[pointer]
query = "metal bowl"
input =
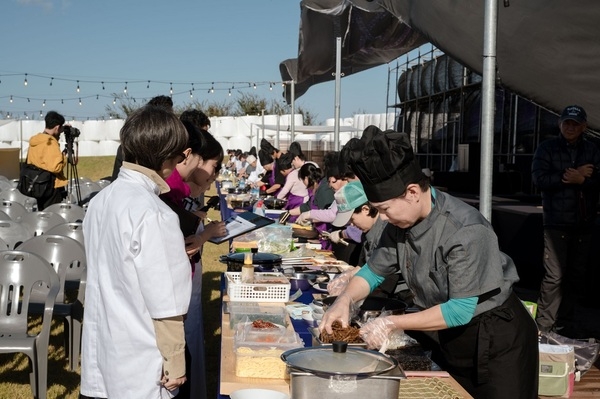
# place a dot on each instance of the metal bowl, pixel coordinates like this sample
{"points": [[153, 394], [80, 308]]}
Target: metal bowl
{"points": [[305, 280]]}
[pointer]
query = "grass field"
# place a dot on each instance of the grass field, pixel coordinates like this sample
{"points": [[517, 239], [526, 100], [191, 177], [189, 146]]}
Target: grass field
{"points": [[64, 384]]}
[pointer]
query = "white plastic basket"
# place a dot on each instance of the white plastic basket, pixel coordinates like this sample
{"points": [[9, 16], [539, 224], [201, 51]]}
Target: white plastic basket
{"points": [[257, 292]]}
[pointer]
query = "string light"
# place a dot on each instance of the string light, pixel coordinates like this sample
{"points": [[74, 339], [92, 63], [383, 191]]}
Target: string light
{"points": [[254, 86], [270, 86], [125, 89], [61, 101], [41, 114], [77, 86], [148, 85], [28, 100], [25, 82], [171, 88], [44, 103], [11, 99], [80, 101], [191, 95], [102, 85], [229, 92], [51, 80], [115, 101], [212, 87]]}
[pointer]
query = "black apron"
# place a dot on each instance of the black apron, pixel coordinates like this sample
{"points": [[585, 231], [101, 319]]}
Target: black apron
{"points": [[495, 356]]}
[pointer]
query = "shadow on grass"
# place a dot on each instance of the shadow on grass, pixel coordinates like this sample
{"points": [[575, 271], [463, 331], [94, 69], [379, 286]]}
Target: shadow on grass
{"points": [[15, 369]]}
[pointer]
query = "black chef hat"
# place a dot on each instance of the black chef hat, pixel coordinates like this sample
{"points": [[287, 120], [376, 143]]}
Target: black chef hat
{"points": [[264, 157], [268, 147], [384, 162]]}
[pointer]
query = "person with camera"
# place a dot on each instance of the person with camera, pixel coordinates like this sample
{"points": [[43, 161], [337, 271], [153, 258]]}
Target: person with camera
{"points": [[44, 154]]}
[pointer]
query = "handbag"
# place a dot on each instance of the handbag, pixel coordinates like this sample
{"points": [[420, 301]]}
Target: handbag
{"points": [[35, 182]]}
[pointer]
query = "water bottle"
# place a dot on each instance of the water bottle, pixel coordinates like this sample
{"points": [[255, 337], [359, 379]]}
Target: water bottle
{"points": [[254, 192], [242, 183]]}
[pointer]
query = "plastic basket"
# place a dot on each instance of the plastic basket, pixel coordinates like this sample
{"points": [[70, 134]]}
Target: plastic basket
{"points": [[257, 292]]}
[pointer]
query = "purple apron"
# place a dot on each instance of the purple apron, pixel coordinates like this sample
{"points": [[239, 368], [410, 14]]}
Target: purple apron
{"points": [[293, 201], [320, 226], [272, 178]]}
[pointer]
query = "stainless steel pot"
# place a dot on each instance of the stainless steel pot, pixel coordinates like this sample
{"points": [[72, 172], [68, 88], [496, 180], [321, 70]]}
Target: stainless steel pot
{"points": [[336, 371], [305, 280], [262, 261]]}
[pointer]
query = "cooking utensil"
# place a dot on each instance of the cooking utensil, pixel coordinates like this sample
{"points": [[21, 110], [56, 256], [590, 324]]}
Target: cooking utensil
{"points": [[326, 234], [284, 217], [306, 280], [275, 203], [262, 261], [339, 371]]}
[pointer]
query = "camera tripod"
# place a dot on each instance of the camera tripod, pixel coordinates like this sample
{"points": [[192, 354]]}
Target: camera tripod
{"points": [[72, 174]]}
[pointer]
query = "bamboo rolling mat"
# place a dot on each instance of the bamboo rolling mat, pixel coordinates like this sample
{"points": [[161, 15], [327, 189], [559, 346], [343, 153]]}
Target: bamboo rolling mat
{"points": [[428, 388]]}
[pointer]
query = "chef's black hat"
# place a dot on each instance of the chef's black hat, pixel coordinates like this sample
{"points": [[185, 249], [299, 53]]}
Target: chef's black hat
{"points": [[264, 157], [384, 162]]}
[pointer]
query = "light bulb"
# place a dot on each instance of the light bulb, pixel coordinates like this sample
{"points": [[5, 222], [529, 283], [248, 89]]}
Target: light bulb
{"points": [[77, 86], [230, 92], [191, 95], [270, 86], [171, 89], [125, 89], [44, 103], [115, 101], [25, 82], [80, 101], [254, 86], [11, 99]]}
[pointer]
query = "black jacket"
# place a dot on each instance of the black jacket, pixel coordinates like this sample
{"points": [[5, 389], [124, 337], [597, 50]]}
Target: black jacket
{"points": [[566, 205]]}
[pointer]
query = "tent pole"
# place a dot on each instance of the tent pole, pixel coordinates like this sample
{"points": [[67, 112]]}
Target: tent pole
{"points": [[488, 88], [338, 79], [292, 132]]}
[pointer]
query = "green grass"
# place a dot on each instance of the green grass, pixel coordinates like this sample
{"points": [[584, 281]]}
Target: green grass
{"points": [[63, 383]]}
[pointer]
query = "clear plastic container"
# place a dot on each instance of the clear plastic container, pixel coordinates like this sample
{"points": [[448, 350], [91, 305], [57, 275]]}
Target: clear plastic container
{"points": [[263, 359], [244, 312]]}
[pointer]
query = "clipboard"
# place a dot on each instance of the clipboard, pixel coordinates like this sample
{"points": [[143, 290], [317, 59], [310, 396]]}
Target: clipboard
{"points": [[241, 223]]}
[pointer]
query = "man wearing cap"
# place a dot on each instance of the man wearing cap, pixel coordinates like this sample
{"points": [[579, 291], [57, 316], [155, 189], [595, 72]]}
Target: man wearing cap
{"points": [[448, 253], [565, 170]]}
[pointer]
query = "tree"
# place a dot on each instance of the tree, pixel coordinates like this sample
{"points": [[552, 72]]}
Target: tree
{"points": [[125, 106], [249, 104]]}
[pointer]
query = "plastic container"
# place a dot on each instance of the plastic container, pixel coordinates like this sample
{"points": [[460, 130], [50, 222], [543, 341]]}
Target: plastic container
{"points": [[263, 359], [240, 312], [267, 287]]}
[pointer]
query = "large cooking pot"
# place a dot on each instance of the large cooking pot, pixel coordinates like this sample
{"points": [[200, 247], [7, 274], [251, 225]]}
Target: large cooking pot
{"points": [[373, 306], [338, 371], [274, 203], [262, 261]]}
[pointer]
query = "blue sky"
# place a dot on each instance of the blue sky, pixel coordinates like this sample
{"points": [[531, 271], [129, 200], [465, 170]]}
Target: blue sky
{"points": [[176, 41]]}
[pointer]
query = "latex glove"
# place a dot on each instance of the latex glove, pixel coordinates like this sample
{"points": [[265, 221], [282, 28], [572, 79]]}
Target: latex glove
{"points": [[336, 236], [340, 310], [339, 283], [376, 333], [303, 218]]}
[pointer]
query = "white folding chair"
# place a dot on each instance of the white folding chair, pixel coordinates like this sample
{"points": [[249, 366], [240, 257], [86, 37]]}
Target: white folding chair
{"points": [[71, 229], [12, 209], [20, 273], [67, 257], [13, 233], [13, 194], [69, 212], [40, 222]]}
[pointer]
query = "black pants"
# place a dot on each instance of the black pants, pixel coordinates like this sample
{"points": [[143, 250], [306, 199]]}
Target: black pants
{"points": [[495, 356]]}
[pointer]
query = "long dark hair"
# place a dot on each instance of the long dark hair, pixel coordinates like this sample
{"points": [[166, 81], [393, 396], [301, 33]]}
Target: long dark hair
{"points": [[312, 172]]}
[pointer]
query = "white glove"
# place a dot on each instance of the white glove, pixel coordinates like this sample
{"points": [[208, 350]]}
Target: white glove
{"points": [[338, 284], [335, 236], [376, 332], [303, 218]]}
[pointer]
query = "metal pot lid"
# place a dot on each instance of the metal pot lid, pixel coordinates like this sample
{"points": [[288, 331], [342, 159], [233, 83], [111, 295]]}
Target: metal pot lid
{"points": [[258, 258], [323, 360]]}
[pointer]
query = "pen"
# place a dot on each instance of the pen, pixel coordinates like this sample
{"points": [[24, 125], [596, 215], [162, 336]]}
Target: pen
{"points": [[209, 220]]}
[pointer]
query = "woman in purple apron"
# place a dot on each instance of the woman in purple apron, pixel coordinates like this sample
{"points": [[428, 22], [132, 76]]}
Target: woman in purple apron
{"points": [[294, 191]]}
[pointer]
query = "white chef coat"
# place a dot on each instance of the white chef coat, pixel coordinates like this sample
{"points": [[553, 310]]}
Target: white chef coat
{"points": [[137, 270]]}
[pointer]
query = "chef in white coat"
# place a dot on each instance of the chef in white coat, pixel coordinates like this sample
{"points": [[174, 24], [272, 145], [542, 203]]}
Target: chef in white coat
{"points": [[138, 273]]}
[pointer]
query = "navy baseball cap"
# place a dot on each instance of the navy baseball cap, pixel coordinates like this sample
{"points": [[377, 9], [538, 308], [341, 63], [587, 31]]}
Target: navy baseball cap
{"points": [[574, 112]]}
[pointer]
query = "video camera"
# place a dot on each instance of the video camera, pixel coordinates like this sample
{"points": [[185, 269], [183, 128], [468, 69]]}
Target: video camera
{"points": [[71, 133]]}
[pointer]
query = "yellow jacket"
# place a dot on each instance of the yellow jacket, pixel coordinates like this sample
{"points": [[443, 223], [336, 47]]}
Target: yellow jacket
{"points": [[44, 152]]}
